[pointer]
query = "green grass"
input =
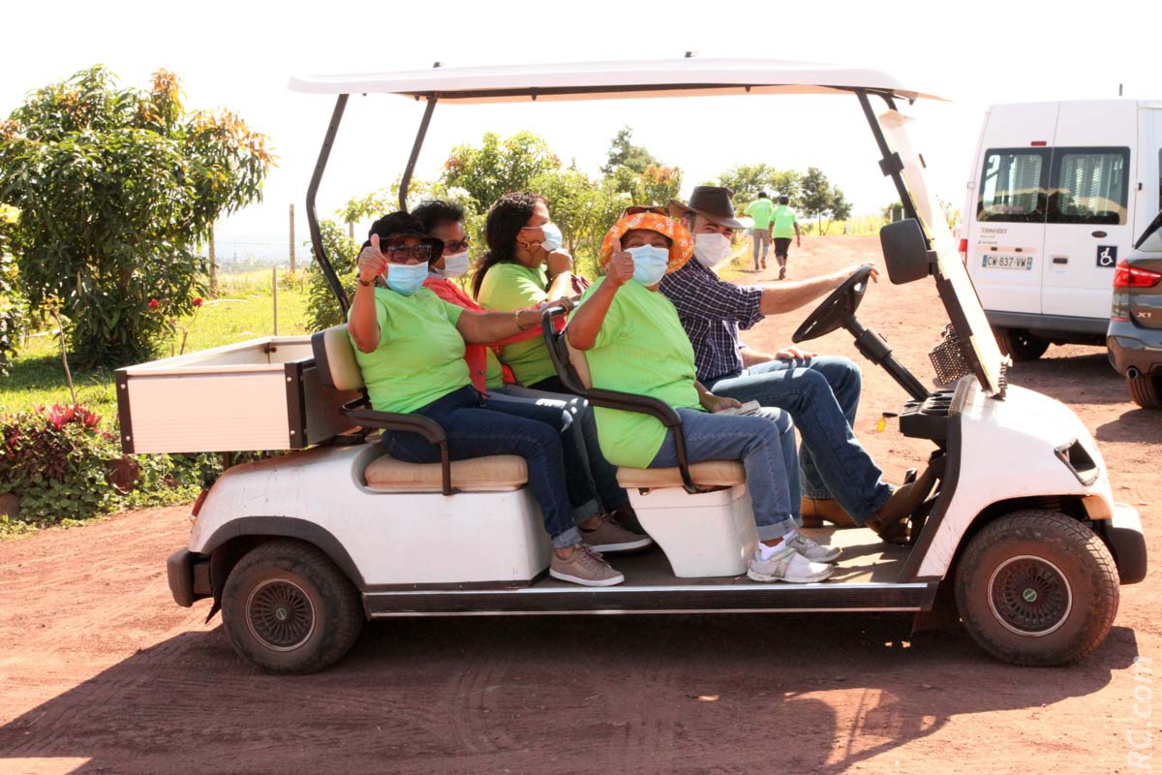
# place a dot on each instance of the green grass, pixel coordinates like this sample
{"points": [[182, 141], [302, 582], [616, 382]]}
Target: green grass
{"points": [[243, 310]]}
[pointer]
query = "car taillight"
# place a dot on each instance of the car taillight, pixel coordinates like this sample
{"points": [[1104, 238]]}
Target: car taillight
{"points": [[1126, 276], [198, 505], [964, 251]]}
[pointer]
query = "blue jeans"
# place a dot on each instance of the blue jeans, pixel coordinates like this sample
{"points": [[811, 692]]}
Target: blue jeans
{"points": [[602, 472], [563, 412], [765, 443], [822, 394], [474, 430]]}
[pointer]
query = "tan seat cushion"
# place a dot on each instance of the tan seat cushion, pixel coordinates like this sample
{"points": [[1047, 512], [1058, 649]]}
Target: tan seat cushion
{"points": [[709, 473], [483, 474], [345, 371]]}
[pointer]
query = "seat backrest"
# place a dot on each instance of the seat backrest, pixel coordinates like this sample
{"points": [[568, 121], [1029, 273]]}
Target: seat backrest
{"points": [[335, 359]]}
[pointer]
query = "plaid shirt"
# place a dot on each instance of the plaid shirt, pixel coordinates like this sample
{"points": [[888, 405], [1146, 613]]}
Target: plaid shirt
{"points": [[712, 311]]}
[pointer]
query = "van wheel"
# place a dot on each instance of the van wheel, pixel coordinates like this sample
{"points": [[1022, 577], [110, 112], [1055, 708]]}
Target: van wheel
{"points": [[1020, 344], [1037, 588], [288, 609], [1146, 390]]}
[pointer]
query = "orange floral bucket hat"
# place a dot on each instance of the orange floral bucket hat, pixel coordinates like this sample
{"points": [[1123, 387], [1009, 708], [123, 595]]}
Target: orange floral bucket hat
{"points": [[650, 219]]}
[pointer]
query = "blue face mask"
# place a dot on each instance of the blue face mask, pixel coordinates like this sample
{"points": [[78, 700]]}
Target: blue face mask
{"points": [[649, 263], [406, 278], [553, 238]]}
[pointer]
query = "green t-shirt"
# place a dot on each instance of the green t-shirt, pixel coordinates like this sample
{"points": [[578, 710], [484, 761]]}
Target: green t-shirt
{"points": [[493, 374], [784, 222], [760, 210], [641, 348], [508, 287], [420, 355]]}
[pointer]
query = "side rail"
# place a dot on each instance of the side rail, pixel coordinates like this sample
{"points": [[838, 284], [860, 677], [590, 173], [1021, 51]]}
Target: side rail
{"points": [[613, 399]]}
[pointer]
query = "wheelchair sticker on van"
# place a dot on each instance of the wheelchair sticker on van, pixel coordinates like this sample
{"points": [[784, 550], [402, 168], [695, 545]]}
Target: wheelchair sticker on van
{"points": [[1107, 256]]}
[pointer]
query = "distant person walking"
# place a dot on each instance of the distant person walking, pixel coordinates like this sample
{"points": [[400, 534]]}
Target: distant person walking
{"points": [[761, 211], [784, 225]]}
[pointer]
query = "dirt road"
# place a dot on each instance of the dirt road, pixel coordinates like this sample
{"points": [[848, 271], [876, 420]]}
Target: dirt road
{"points": [[100, 672]]}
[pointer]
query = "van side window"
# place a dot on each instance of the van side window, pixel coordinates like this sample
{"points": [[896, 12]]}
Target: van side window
{"points": [[1013, 186], [1089, 185]]}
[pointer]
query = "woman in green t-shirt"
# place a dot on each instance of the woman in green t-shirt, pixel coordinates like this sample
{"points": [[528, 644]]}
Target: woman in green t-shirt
{"points": [[526, 268], [410, 347], [635, 343]]}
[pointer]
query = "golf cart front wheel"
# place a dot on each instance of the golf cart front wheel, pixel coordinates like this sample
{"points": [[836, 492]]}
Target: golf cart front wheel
{"points": [[288, 609], [1037, 588]]}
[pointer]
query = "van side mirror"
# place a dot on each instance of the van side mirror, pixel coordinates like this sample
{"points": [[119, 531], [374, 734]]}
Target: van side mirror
{"points": [[906, 251]]}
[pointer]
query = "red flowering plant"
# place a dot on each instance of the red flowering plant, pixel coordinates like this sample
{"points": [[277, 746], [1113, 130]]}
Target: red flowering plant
{"points": [[170, 321]]}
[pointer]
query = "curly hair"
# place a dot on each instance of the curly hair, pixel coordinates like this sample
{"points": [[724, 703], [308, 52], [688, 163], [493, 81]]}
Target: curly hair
{"points": [[505, 220]]}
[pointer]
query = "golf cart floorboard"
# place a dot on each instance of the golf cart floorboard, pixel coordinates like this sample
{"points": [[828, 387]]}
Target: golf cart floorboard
{"points": [[864, 580]]}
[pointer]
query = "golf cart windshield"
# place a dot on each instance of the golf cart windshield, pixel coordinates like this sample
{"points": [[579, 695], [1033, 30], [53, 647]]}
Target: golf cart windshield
{"points": [[686, 77]]}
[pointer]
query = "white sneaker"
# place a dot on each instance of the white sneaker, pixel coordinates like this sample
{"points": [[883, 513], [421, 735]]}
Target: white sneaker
{"points": [[787, 565], [813, 551]]}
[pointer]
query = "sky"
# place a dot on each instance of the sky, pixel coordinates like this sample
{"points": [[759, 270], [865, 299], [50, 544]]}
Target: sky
{"points": [[240, 55]]}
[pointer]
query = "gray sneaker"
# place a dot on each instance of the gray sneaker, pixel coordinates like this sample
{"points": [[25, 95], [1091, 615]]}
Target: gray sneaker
{"points": [[585, 567], [787, 565], [815, 552], [612, 537]]}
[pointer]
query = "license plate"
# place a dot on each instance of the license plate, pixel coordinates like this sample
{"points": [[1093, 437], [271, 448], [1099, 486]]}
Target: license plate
{"points": [[1003, 261]]}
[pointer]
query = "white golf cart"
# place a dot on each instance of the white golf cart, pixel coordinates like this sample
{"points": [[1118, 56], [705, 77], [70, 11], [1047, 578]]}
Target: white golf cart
{"points": [[299, 550]]}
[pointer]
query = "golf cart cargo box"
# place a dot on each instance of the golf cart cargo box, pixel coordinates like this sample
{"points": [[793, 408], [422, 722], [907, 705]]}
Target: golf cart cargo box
{"points": [[263, 394]]}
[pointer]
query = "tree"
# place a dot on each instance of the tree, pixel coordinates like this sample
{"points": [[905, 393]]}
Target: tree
{"points": [[11, 301], [747, 180], [498, 166], [623, 153], [115, 188]]}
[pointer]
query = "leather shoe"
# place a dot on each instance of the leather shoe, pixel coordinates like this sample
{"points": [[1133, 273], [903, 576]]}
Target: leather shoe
{"points": [[816, 511], [889, 523]]}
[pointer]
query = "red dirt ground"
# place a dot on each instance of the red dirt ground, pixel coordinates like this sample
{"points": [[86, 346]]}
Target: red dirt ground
{"points": [[101, 672]]}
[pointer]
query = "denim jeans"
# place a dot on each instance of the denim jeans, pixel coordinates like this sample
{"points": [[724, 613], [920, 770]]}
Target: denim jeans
{"points": [[822, 395], [476, 431], [562, 411], [765, 443], [603, 472]]}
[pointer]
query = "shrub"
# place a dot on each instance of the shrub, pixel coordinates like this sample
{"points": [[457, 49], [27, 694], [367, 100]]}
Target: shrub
{"points": [[322, 306]]}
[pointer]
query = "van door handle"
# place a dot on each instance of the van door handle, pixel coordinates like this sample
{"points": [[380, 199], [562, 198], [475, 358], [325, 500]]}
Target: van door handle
{"points": [[1061, 259]]}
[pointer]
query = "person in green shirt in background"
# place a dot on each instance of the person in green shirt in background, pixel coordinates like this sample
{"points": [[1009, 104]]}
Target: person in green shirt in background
{"points": [[635, 343], [784, 225], [761, 211]]}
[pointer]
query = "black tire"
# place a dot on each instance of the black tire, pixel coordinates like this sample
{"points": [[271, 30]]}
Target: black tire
{"points": [[1020, 344], [1037, 588], [288, 609], [1146, 390]]}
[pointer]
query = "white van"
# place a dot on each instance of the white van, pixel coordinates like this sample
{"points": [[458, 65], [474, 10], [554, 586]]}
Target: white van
{"points": [[1057, 192]]}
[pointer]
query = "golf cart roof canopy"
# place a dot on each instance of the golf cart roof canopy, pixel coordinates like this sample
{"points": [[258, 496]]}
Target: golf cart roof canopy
{"points": [[683, 77]]}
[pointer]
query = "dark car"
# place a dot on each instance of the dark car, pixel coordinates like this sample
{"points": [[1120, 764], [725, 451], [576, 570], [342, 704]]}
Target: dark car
{"points": [[1135, 333]]}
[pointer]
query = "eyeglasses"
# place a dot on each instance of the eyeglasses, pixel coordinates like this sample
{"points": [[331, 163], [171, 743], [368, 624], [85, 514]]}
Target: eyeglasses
{"points": [[399, 254], [451, 247]]}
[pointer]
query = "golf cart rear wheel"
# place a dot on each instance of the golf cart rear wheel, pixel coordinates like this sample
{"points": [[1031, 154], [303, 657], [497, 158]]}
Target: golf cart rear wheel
{"points": [[1146, 390], [1037, 588], [288, 609], [1022, 345]]}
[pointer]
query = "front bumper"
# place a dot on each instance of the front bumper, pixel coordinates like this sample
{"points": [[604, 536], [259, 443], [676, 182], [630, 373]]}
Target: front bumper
{"points": [[189, 577]]}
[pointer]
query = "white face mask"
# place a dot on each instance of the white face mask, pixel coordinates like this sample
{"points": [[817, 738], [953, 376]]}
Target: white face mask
{"points": [[711, 249], [456, 265]]}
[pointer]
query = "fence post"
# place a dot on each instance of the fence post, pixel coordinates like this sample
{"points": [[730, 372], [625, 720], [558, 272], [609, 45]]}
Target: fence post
{"points": [[292, 238], [213, 265], [274, 294]]}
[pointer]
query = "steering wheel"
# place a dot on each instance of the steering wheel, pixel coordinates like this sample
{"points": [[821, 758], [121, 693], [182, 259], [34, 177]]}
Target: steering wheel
{"points": [[840, 305]]}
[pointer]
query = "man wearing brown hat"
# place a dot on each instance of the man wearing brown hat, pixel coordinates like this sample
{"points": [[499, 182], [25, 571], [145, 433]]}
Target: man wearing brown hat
{"points": [[841, 483]]}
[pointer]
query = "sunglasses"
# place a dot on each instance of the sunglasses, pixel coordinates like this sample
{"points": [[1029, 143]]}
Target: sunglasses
{"points": [[451, 247], [638, 209], [398, 254]]}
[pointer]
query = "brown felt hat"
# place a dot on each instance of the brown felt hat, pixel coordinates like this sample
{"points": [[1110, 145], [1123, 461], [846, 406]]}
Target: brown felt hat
{"points": [[712, 202]]}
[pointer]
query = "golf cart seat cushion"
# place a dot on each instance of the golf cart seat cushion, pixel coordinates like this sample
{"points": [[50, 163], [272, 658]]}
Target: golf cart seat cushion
{"points": [[580, 364], [340, 357], [483, 474], [709, 473]]}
